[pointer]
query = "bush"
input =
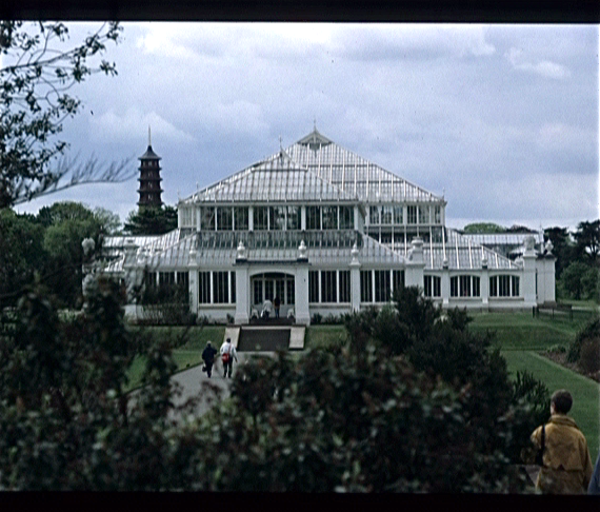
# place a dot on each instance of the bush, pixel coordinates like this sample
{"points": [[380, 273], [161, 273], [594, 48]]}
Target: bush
{"points": [[589, 357], [590, 331], [347, 423], [557, 349], [316, 319]]}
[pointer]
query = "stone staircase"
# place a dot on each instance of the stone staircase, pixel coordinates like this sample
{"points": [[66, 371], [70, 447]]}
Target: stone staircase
{"points": [[261, 338]]}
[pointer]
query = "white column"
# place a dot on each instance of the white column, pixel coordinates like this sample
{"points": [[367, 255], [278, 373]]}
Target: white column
{"points": [[484, 286], [528, 278], [355, 279], [301, 306], [445, 284], [549, 264], [413, 275], [250, 218], [193, 281], [242, 295], [303, 218]]}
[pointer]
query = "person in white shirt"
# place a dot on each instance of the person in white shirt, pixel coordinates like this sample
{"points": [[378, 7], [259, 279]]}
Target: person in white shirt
{"points": [[228, 354], [267, 309]]}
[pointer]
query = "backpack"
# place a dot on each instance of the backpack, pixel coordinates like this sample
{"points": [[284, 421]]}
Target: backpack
{"points": [[226, 357]]}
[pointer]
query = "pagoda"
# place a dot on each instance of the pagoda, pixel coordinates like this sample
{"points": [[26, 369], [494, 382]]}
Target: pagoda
{"points": [[150, 191]]}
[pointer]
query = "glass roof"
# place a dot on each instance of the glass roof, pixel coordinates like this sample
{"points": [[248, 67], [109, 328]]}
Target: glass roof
{"points": [[314, 169], [278, 178]]}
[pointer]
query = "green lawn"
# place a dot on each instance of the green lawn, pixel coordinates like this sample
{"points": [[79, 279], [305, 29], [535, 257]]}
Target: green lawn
{"points": [[186, 355], [586, 392], [519, 335], [521, 331]]}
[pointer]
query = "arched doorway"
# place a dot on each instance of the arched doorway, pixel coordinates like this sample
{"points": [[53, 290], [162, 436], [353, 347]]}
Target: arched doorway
{"points": [[268, 285]]}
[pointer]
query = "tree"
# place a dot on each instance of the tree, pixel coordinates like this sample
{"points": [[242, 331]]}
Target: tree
{"points": [[151, 221], [516, 228], [580, 281], [21, 253], [484, 227], [69, 224], [562, 245], [37, 74], [587, 239]]}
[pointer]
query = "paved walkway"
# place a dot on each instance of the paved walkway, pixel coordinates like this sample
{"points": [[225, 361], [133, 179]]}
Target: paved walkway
{"points": [[192, 380]]}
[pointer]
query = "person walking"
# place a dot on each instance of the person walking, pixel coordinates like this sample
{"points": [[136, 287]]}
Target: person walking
{"points": [[566, 462], [277, 304], [208, 356], [228, 354]]}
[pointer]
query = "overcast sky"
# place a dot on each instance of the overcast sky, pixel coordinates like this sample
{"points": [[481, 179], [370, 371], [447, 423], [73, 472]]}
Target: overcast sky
{"points": [[500, 119]]}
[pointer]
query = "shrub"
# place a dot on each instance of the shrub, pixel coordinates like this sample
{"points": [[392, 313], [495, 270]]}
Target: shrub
{"points": [[557, 349], [589, 356], [316, 319], [590, 331]]}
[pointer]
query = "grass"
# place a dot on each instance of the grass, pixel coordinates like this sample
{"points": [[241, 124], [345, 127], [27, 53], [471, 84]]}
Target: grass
{"points": [[185, 355], [519, 335], [586, 392], [521, 331]]}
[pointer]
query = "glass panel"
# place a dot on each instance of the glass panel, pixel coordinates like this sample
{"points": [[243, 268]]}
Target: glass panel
{"points": [[220, 287], [224, 218], [398, 279], [269, 290], [261, 219], [346, 217], [293, 217], [258, 291], [313, 217], [345, 286], [277, 218], [476, 286], [515, 286], [374, 215], [328, 286], [291, 291], [241, 218], [465, 286], [423, 214], [330, 217], [280, 290], [411, 214], [382, 286], [398, 215], [366, 289], [454, 286], [427, 286], [207, 218], [232, 287], [386, 214], [313, 286], [494, 286], [204, 287]]}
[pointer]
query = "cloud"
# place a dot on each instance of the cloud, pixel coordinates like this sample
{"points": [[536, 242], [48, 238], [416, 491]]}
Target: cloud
{"points": [[543, 68], [111, 126], [561, 137], [413, 41]]}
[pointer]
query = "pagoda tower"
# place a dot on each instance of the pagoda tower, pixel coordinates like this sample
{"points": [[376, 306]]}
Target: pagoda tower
{"points": [[150, 191]]}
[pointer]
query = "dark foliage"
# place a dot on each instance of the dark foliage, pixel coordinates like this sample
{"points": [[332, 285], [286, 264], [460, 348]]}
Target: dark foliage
{"points": [[588, 332], [151, 221]]}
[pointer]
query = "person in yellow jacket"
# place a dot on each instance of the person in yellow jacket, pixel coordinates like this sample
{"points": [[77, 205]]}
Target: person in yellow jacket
{"points": [[567, 465]]}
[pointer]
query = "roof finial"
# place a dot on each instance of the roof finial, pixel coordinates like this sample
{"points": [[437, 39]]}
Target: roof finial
{"points": [[315, 123], [280, 143], [149, 136]]}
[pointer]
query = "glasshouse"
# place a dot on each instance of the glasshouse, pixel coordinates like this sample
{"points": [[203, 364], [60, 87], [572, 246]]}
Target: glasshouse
{"points": [[318, 230]]}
